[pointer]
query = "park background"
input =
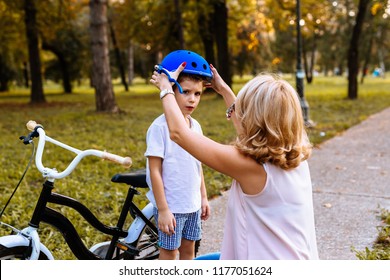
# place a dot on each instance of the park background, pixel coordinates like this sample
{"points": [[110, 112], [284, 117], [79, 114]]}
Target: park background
{"points": [[81, 69]]}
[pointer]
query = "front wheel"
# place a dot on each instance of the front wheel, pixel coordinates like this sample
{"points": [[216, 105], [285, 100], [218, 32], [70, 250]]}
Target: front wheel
{"points": [[18, 253]]}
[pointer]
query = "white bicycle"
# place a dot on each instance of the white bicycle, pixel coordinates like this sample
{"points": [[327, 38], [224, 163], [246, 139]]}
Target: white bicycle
{"points": [[139, 241]]}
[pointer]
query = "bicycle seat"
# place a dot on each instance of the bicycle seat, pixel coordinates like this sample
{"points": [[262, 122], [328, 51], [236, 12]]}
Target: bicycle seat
{"points": [[136, 179]]}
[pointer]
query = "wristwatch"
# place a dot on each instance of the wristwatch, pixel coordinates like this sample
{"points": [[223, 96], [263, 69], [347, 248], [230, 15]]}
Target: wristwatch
{"points": [[165, 92]]}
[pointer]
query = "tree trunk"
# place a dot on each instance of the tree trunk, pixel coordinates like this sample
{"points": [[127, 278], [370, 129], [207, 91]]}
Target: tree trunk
{"points": [[101, 74], [380, 55], [367, 58], [206, 32], [130, 55], [221, 35], [309, 65], [353, 53], [179, 22], [37, 95], [65, 74], [5, 75], [368, 49], [118, 57], [66, 82], [26, 78]]}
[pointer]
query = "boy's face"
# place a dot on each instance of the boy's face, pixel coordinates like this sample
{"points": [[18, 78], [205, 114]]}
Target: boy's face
{"points": [[189, 99]]}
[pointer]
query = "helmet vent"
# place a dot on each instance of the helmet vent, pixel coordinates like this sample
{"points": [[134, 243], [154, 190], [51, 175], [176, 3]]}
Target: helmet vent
{"points": [[196, 64]]}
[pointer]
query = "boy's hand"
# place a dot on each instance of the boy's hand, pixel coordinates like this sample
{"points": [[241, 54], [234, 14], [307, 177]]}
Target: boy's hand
{"points": [[205, 209], [166, 222]]}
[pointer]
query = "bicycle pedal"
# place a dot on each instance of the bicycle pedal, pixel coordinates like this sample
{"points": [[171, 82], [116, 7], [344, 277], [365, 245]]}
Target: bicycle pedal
{"points": [[127, 248]]}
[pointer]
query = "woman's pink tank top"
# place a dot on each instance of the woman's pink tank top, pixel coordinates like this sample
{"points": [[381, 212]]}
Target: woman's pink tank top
{"points": [[277, 223]]}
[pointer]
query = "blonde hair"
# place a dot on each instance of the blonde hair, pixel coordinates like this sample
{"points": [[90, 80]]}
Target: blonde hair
{"points": [[272, 123]]}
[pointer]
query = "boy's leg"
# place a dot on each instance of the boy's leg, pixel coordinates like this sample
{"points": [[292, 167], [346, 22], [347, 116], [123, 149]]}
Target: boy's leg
{"points": [[187, 249], [169, 244], [167, 254], [192, 231]]}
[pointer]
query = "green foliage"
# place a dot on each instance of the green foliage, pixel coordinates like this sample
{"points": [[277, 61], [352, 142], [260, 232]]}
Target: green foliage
{"points": [[381, 248], [71, 118]]}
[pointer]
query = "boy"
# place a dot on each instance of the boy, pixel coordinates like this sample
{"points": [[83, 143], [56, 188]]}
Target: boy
{"points": [[175, 178]]}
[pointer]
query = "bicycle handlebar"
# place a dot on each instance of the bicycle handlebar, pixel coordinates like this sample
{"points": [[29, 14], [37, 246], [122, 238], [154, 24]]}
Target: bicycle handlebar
{"points": [[125, 161], [38, 131], [31, 125]]}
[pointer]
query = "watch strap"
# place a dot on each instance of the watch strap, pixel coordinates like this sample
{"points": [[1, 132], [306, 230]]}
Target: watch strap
{"points": [[164, 92]]}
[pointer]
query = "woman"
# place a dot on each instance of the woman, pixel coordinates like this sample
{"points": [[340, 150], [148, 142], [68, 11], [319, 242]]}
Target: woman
{"points": [[270, 208]]}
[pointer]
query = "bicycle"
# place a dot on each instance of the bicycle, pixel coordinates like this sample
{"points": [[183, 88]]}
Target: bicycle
{"points": [[139, 241]]}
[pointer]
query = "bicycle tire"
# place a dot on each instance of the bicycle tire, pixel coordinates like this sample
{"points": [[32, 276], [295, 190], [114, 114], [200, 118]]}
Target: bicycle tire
{"points": [[18, 253]]}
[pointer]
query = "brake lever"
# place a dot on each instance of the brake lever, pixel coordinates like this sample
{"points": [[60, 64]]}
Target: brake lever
{"points": [[161, 69], [28, 139]]}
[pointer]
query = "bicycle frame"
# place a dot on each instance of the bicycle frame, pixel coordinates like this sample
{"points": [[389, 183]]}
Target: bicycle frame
{"points": [[42, 213], [47, 215]]}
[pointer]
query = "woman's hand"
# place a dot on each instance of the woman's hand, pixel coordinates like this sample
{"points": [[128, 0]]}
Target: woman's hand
{"points": [[217, 83], [161, 80]]}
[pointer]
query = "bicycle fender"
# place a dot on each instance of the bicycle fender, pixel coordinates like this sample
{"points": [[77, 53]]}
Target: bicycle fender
{"points": [[32, 233], [138, 224], [95, 247], [19, 240]]}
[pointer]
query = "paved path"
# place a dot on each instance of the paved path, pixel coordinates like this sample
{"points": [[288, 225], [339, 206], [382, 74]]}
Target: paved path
{"points": [[351, 179]]}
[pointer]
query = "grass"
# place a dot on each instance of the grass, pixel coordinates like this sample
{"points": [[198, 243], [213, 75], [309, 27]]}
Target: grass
{"points": [[71, 118], [381, 247]]}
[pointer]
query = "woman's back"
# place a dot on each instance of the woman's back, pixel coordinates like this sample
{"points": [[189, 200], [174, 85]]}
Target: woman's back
{"points": [[277, 223]]}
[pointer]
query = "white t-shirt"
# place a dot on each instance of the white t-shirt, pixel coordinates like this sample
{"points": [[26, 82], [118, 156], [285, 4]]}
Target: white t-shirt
{"points": [[277, 223], [181, 172]]}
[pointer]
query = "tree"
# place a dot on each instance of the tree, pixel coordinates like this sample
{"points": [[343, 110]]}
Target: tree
{"points": [[312, 33], [63, 64], [221, 39], [206, 30], [179, 22], [353, 53], [6, 74], [250, 50], [143, 29], [101, 73], [70, 51], [375, 42], [66, 39], [284, 43], [37, 95], [12, 36], [369, 42], [118, 57]]}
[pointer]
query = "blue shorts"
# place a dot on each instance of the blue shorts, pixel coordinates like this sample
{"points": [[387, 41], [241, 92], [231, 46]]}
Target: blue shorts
{"points": [[188, 226]]}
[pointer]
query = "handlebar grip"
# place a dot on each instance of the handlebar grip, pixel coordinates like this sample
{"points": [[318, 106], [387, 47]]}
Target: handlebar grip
{"points": [[125, 161], [31, 125]]}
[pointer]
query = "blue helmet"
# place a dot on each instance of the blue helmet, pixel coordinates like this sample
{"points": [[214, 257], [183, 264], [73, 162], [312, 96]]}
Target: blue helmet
{"points": [[196, 64]]}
